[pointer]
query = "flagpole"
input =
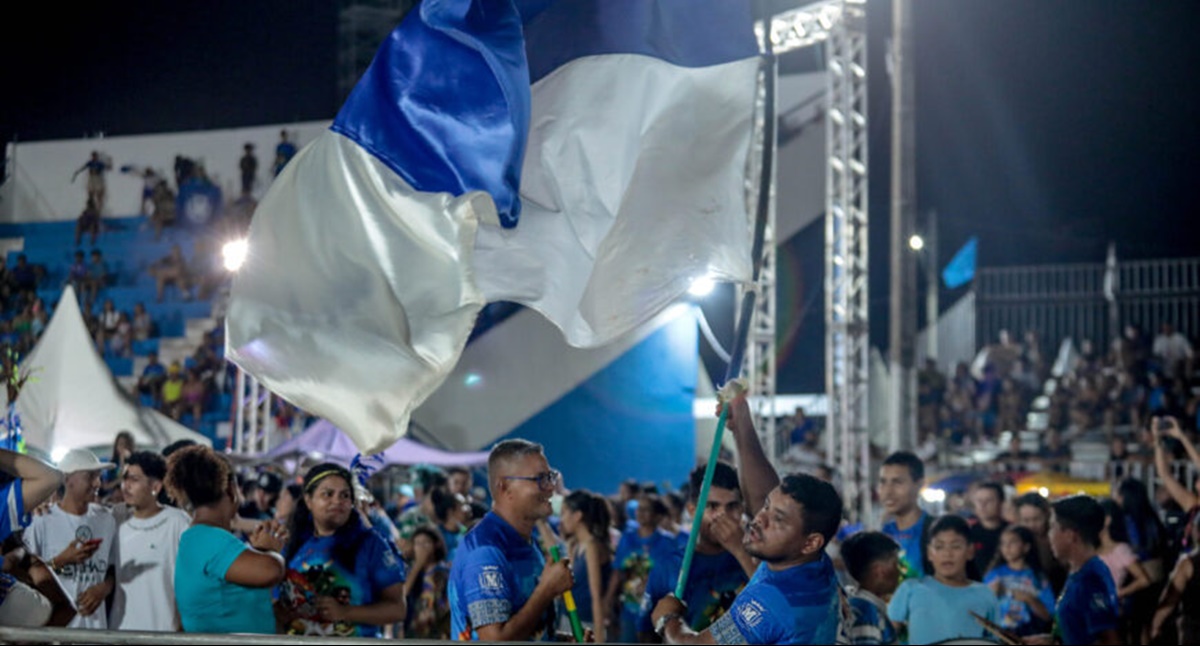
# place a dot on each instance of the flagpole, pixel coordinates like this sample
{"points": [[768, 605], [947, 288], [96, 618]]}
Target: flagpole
{"points": [[769, 68]]}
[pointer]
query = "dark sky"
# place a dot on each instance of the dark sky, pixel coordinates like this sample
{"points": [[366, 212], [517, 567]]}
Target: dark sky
{"points": [[1048, 129]]}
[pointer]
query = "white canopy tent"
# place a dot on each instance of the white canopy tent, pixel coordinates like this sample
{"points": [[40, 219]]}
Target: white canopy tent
{"points": [[71, 399]]}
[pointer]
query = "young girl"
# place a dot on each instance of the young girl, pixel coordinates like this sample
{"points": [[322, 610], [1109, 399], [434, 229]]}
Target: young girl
{"points": [[1016, 576], [938, 606], [585, 521], [1127, 572]]}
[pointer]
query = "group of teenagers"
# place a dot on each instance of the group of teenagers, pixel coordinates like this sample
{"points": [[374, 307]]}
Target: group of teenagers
{"points": [[791, 573]]}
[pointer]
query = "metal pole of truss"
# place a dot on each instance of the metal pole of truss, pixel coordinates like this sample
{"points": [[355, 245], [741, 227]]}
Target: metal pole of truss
{"points": [[847, 345]]}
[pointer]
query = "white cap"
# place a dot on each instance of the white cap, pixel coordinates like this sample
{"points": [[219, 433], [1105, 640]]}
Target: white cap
{"points": [[82, 460]]}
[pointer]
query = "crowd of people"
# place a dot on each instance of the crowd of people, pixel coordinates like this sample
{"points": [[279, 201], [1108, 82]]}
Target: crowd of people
{"points": [[204, 548]]}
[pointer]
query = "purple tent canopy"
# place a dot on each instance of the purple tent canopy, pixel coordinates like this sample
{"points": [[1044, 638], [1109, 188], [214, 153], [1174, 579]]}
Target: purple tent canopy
{"points": [[328, 440]]}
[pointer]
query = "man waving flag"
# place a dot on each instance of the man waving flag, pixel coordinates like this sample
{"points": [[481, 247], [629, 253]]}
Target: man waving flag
{"points": [[585, 158]]}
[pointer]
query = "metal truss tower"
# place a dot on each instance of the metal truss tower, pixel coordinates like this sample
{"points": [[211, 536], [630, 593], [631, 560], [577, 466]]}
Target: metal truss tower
{"points": [[842, 26]]}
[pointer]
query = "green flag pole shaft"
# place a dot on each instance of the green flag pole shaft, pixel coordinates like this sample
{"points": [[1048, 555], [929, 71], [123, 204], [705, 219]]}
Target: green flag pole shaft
{"points": [[698, 518], [569, 602], [733, 370]]}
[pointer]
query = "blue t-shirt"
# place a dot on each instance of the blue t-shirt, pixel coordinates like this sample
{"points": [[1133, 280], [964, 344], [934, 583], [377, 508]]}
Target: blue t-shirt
{"points": [[636, 557], [208, 603], [313, 572], [582, 590], [14, 516], [799, 605], [912, 554], [936, 612], [1015, 616], [1088, 604], [713, 582], [869, 621], [493, 575]]}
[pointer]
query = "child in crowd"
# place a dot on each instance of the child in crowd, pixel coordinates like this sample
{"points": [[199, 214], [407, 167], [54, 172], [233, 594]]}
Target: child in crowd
{"points": [[938, 606], [873, 560], [1016, 576]]}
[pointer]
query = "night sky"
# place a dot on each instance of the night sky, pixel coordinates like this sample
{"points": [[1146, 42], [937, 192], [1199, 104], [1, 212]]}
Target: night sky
{"points": [[1048, 129]]}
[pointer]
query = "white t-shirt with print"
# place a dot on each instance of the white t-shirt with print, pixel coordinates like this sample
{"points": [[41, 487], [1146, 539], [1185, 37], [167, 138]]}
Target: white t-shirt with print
{"points": [[145, 593], [49, 534]]}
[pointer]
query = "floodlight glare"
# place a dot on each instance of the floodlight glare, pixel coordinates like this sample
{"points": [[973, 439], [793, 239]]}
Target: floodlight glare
{"points": [[916, 242], [701, 286], [234, 253]]}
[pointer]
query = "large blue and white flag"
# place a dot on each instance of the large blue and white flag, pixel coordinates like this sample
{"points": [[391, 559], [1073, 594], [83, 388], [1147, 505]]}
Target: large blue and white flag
{"points": [[585, 158]]}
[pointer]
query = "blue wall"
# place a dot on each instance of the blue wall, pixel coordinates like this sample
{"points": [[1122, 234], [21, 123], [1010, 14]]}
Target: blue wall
{"points": [[633, 419]]}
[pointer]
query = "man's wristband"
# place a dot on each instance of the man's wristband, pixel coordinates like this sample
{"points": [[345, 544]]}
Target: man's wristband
{"points": [[661, 625]]}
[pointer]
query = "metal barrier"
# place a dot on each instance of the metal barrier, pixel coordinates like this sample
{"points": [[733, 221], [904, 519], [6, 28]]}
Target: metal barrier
{"points": [[1088, 301], [10, 635], [1185, 472]]}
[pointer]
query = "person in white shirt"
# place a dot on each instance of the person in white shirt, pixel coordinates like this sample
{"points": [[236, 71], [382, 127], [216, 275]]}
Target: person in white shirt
{"points": [[148, 540], [77, 539], [1173, 350]]}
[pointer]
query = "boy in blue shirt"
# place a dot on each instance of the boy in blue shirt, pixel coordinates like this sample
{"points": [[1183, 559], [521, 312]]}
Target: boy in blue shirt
{"points": [[720, 566], [900, 480], [873, 560], [1087, 608], [500, 587]]}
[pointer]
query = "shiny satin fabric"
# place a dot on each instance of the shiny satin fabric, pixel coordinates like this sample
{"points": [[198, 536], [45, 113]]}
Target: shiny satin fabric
{"points": [[357, 294]]}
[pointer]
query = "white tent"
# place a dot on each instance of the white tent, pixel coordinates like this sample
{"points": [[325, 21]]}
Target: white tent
{"points": [[71, 399]]}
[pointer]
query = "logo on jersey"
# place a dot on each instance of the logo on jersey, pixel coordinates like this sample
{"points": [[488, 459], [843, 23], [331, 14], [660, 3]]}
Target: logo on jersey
{"points": [[491, 580], [83, 533], [751, 614]]}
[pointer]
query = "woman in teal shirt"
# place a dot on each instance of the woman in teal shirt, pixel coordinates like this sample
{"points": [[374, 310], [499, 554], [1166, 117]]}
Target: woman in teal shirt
{"points": [[221, 585]]}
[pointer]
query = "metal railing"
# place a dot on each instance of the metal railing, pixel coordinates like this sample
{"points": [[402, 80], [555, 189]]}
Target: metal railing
{"points": [[9, 635]]}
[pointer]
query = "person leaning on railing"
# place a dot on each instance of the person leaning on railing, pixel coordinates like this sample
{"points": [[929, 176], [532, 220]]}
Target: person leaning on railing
{"points": [[1167, 427]]}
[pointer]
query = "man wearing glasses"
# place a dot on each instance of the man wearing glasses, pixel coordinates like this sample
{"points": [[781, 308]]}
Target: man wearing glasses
{"points": [[500, 586]]}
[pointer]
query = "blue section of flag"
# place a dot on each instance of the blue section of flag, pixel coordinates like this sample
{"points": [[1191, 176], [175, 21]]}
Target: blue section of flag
{"points": [[445, 103], [961, 268], [688, 33]]}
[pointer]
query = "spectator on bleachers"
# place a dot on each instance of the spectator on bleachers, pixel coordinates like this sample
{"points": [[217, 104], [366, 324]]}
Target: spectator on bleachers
{"points": [[96, 166], [185, 167], [88, 222], [284, 151], [37, 318], [1010, 404], [149, 179], [120, 342], [109, 318], [24, 277], [1053, 451], [171, 268], [193, 395], [207, 270], [143, 325], [77, 276], [172, 392], [151, 380], [164, 207], [96, 277], [248, 165], [1173, 351]]}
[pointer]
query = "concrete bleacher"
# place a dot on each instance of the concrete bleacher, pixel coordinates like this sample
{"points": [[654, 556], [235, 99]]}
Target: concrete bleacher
{"points": [[129, 249]]}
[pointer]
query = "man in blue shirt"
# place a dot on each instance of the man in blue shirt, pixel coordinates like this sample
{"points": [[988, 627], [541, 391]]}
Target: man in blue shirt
{"points": [[25, 483], [794, 596], [900, 480], [1088, 608], [500, 586], [720, 567], [284, 151]]}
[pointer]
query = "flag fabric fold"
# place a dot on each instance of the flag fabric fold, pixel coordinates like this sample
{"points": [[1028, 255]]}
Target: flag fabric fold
{"points": [[593, 195]]}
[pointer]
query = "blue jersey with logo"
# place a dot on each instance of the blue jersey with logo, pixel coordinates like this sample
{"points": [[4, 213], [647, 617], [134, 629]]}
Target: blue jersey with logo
{"points": [[912, 553], [493, 575], [13, 516], [1088, 604], [869, 623], [713, 582], [799, 605]]}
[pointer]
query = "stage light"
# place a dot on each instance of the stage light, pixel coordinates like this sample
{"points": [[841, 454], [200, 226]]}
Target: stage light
{"points": [[933, 495], [234, 253], [916, 242], [701, 286], [472, 379]]}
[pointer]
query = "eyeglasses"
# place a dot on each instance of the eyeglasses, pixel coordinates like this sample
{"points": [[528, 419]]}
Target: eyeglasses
{"points": [[546, 480]]}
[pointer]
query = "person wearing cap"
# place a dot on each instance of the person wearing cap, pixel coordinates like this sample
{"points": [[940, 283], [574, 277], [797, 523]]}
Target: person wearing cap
{"points": [[266, 493], [29, 483], [77, 539]]}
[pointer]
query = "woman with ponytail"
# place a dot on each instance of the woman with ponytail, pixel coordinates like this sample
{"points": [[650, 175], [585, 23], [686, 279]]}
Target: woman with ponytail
{"points": [[585, 521], [342, 578]]}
